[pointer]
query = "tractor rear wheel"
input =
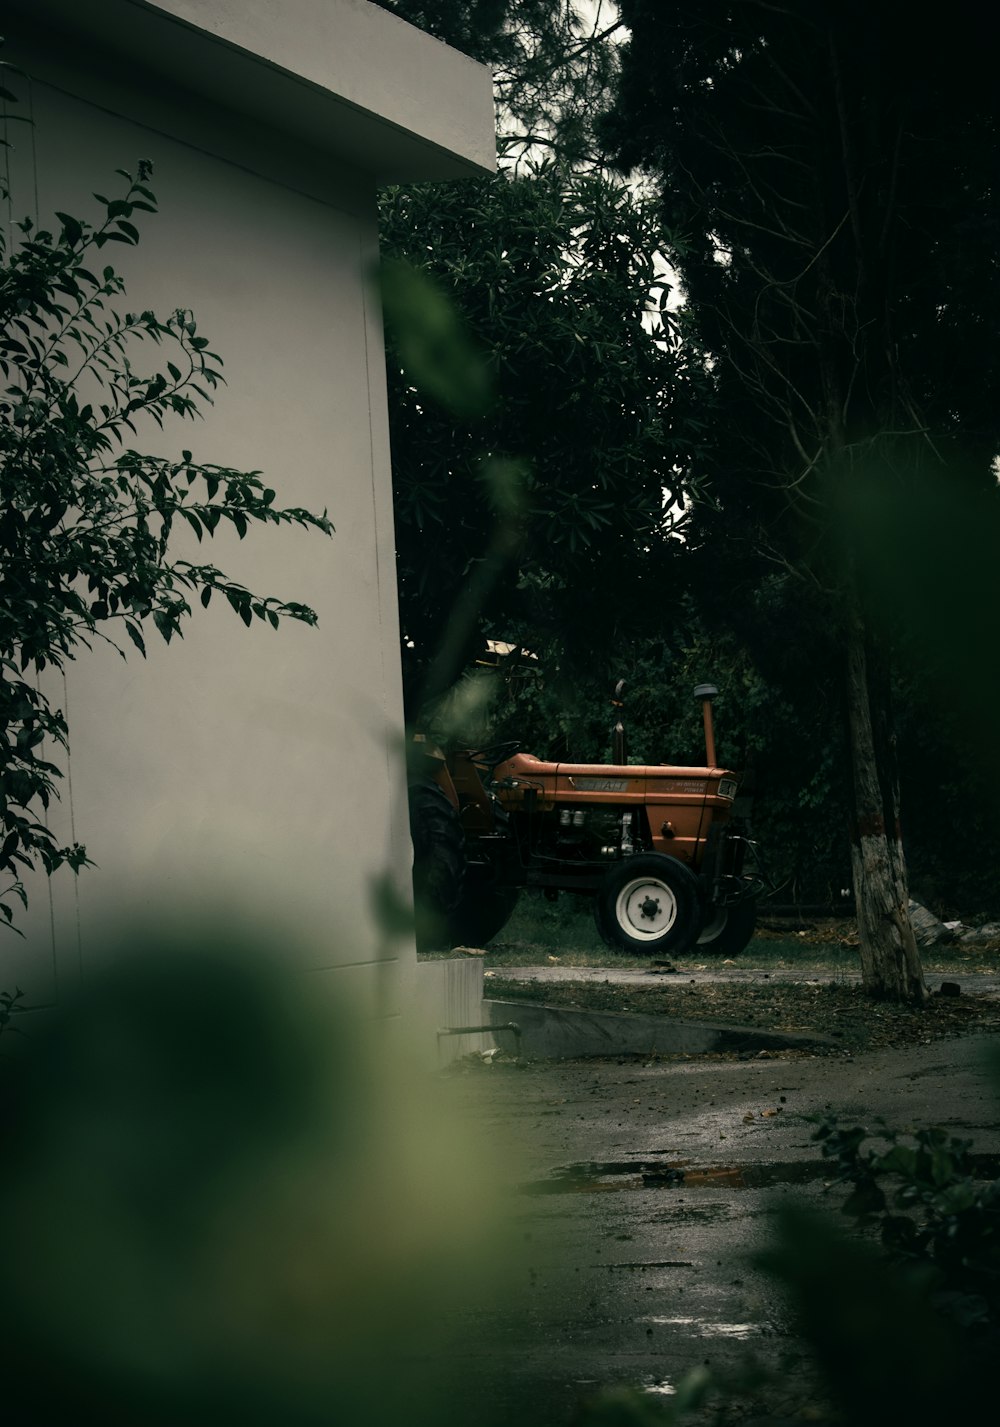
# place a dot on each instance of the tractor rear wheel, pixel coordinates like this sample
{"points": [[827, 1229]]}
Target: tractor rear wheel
{"points": [[648, 903], [485, 909], [438, 864], [726, 930]]}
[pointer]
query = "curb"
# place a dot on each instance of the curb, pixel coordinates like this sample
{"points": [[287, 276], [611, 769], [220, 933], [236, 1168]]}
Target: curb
{"points": [[556, 1033]]}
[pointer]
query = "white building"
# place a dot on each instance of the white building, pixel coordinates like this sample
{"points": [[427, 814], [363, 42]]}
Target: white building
{"points": [[255, 765]]}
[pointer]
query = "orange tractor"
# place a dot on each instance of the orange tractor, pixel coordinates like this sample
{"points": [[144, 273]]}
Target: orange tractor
{"points": [[663, 850]]}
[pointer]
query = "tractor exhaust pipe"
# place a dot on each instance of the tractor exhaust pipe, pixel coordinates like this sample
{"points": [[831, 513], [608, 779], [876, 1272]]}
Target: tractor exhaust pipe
{"points": [[707, 692]]}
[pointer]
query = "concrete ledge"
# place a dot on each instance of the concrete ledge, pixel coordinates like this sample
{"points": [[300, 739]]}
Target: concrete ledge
{"points": [[447, 994], [555, 1033], [341, 76]]}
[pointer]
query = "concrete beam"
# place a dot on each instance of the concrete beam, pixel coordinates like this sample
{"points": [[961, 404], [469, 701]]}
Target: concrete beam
{"points": [[341, 76]]}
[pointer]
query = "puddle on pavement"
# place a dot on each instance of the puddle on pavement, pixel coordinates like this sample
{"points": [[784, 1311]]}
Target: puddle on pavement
{"points": [[613, 1176], [643, 1264], [711, 1213], [739, 1332]]}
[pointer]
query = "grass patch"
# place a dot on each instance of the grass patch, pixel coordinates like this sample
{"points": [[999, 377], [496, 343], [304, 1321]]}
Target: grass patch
{"points": [[564, 928], [542, 933]]}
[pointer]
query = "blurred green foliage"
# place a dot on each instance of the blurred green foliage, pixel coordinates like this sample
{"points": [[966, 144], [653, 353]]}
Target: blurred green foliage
{"points": [[229, 1198], [902, 1329], [10, 1005], [885, 1353], [933, 1207], [433, 346]]}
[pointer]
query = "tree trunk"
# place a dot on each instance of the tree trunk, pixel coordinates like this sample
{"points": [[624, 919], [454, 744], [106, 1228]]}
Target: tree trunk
{"points": [[890, 962]]}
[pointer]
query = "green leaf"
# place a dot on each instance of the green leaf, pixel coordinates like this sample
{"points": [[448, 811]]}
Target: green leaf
{"points": [[72, 228], [135, 634], [164, 624]]}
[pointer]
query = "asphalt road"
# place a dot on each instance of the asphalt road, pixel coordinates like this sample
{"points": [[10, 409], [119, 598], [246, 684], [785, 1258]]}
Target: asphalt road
{"points": [[638, 1194], [971, 981]]}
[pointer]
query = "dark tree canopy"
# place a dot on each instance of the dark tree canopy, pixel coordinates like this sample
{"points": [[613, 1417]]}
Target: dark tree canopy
{"points": [[828, 180], [828, 177], [593, 429], [552, 60]]}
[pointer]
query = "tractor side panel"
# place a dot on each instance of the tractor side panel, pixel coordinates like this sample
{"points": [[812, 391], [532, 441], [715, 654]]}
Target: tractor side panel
{"points": [[681, 807], [679, 804]]}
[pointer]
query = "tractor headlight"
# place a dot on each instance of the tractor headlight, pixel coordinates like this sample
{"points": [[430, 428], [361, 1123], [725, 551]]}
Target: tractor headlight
{"points": [[727, 788]]}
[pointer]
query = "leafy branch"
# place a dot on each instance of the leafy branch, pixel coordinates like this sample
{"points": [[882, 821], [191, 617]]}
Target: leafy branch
{"points": [[931, 1204]]}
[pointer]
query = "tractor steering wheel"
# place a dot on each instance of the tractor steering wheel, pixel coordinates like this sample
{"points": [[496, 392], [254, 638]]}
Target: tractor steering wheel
{"points": [[495, 753]]}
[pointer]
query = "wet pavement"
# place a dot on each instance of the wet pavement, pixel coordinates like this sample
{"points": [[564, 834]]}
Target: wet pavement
{"points": [[640, 1191], [664, 977]]}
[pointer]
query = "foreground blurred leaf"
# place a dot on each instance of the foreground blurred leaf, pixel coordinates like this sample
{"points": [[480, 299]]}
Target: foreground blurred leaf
{"points": [[434, 348], [886, 1354]]}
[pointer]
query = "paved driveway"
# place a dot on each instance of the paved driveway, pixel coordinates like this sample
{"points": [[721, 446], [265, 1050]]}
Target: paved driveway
{"points": [[631, 1272], [971, 981]]}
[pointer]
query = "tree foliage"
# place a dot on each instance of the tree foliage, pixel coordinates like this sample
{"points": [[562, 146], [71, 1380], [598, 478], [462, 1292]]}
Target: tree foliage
{"points": [[552, 511], [609, 607], [87, 519], [828, 182], [553, 62], [828, 172], [827, 175], [582, 458]]}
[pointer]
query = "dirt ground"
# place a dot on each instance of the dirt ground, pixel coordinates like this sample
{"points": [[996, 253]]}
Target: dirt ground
{"points": [[646, 1189], [805, 980], [644, 1194], [840, 1011]]}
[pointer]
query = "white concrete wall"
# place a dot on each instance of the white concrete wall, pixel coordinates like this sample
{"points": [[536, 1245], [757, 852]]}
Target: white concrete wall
{"points": [[255, 765], [447, 995], [400, 69]]}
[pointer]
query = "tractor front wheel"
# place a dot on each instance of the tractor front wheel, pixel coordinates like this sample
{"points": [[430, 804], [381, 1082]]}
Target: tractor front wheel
{"points": [[647, 904]]}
